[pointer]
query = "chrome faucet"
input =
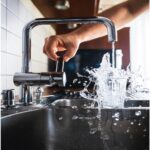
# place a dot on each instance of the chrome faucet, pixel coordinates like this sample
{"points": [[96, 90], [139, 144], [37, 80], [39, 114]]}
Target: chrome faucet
{"points": [[45, 21]]}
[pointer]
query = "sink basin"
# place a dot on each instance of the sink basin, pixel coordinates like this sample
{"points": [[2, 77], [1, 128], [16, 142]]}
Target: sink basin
{"points": [[66, 126]]}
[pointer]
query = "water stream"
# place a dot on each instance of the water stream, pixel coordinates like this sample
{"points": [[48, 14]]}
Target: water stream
{"points": [[113, 55]]}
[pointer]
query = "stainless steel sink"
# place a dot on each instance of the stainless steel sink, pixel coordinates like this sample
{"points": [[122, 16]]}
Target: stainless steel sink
{"points": [[70, 126]]}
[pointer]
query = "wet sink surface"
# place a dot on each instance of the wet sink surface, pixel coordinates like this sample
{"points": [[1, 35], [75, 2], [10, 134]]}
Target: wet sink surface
{"points": [[72, 128]]}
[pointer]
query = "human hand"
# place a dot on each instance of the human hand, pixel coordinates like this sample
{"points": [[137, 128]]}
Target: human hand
{"points": [[64, 42]]}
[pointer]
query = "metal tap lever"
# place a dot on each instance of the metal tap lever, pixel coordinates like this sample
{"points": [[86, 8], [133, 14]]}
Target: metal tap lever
{"points": [[37, 79], [59, 65]]}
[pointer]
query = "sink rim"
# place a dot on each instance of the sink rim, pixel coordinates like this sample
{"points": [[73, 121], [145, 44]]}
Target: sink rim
{"points": [[31, 109]]}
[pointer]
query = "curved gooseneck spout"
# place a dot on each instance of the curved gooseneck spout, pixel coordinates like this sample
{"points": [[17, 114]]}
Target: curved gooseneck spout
{"points": [[46, 21]]}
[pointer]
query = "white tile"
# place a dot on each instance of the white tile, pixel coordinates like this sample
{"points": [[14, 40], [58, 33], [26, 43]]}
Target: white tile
{"points": [[43, 31], [12, 22], [3, 2], [22, 12], [13, 44], [3, 63], [38, 66], [30, 16], [37, 53], [13, 5], [12, 64], [19, 64], [37, 48], [44, 67], [34, 66], [10, 84], [36, 40], [3, 39], [3, 84], [3, 16], [20, 28]]}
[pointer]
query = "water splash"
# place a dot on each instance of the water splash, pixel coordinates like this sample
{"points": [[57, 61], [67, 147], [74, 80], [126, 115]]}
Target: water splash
{"points": [[112, 86]]}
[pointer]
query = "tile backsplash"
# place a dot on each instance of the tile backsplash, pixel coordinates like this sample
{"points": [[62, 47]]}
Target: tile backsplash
{"points": [[14, 15]]}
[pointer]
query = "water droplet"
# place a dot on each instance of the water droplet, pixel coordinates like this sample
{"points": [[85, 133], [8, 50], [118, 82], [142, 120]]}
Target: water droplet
{"points": [[85, 105], [81, 118], [143, 117], [116, 115], [117, 119], [144, 135], [105, 137], [93, 130], [74, 107], [128, 130], [115, 124], [60, 118], [90, 123], [75, 80], [145, 130], [79, 82], [88, 110], [138, 113], [84, 84], [139, 124], [132, 123], [74, 117]]}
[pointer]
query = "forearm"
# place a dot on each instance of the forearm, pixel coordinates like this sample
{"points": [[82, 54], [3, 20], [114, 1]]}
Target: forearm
{"points": [[120, 15]]}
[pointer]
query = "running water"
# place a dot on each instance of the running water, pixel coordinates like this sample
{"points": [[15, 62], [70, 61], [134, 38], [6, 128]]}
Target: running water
{"points": [[113, 55]]}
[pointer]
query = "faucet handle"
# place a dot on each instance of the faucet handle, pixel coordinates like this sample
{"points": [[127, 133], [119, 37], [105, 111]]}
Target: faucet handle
{"points": [[59, 65]]}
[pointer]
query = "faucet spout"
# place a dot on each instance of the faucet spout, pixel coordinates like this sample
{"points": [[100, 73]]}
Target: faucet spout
{"points": [[46, 21]]}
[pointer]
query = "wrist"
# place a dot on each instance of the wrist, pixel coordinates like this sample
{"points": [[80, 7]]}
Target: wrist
{"points": [[76, 37]]}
